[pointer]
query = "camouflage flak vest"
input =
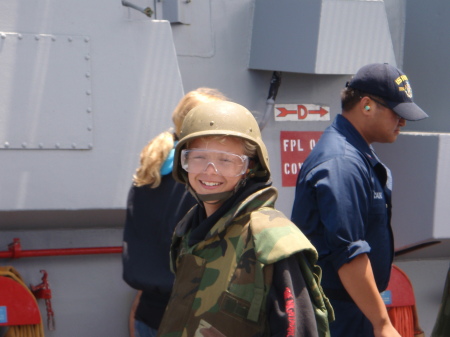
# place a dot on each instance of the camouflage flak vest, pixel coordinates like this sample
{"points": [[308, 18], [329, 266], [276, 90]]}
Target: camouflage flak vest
{"points": [[222, 283]]}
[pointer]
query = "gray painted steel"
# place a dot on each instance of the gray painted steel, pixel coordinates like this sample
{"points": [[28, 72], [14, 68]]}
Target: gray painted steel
{"points": [[46, 99], [320, 37], [86, 108], [420, 165]]}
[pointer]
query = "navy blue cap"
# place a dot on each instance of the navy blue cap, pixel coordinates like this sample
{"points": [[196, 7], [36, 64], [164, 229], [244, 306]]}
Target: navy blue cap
{"points": [[391, 84]]}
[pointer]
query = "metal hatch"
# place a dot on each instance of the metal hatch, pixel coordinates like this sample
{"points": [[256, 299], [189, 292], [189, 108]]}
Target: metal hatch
{"points": [[45, 101]]}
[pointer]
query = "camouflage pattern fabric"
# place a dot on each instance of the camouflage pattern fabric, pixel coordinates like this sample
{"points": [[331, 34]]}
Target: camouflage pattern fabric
{"points": [[222, 283]]}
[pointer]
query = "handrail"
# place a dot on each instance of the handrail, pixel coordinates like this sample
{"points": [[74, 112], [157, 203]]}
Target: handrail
{"points": [[15, 251]]}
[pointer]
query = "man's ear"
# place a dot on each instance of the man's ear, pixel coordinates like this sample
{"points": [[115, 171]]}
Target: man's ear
{"points": [[365, 105]]}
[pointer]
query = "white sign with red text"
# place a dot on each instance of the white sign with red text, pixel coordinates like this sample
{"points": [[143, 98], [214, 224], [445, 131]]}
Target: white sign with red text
{"points": [[301, 112]]}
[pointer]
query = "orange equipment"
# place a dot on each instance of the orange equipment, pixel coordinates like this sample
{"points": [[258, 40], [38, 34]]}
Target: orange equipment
{"points": [[18, 307], [400, 301]]}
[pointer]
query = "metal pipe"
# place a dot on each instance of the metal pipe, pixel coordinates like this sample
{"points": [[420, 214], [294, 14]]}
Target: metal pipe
{"points": [[147, 11], [15, 251], [275, 82]]}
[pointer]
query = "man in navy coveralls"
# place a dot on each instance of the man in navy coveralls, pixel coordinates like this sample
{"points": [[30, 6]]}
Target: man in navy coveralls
{"points": [[343, 199]]}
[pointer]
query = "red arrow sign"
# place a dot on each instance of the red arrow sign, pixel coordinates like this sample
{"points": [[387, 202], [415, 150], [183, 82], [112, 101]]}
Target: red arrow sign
{"points": [[284, 112], [321, 112], [301, 112]]}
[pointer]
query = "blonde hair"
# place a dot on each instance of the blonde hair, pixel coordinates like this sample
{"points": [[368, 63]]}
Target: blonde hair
{"points": [[155, 153]]}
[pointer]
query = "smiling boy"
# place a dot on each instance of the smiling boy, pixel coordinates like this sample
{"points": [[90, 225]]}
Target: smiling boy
{"points": [[242, 268]]}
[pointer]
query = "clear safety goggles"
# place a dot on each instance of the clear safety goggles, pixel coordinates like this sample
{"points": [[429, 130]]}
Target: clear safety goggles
{"points": [[224, 163]]}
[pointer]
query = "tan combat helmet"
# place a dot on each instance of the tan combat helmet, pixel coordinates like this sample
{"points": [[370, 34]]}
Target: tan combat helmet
{"points": [[220, 118]]}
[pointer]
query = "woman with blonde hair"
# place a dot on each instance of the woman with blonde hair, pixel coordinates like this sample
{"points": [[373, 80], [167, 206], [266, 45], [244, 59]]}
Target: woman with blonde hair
{"points": [[156, 202], [157, 155]]}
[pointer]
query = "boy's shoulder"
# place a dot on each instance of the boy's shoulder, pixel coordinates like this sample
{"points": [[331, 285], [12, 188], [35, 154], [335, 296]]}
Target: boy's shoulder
{"points": [[276, 237]]}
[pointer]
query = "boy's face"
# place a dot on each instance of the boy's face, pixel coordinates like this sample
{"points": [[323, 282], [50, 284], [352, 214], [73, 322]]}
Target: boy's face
{"points": [[210, 179]]}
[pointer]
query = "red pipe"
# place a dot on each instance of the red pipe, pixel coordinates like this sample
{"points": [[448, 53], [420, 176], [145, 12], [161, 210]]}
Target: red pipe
{"points": [[15, 251]]}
